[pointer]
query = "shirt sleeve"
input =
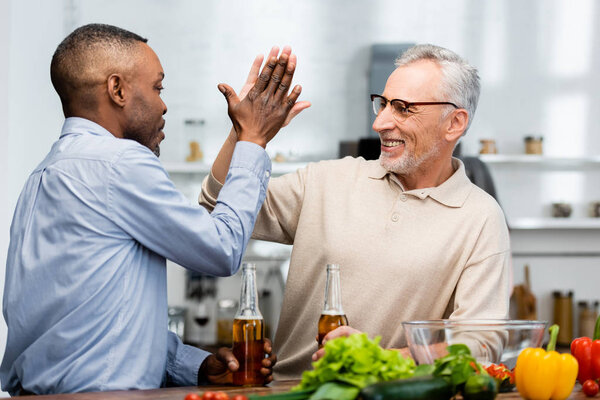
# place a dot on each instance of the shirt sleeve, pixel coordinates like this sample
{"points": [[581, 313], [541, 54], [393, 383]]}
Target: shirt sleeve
{"points": [[143, 201], [278, 218], [183, 362]]}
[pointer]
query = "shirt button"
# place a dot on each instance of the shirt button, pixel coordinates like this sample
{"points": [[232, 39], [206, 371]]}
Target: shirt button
{"points": [[395, 217], [267, 174], [403, 197]]}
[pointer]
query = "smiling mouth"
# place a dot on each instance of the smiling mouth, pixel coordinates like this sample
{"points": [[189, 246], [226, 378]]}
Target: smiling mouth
{"points": [[392, 143]]}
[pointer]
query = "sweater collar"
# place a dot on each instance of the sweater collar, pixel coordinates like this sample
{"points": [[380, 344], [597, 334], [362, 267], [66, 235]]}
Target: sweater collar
{"points": [[453, 192]]}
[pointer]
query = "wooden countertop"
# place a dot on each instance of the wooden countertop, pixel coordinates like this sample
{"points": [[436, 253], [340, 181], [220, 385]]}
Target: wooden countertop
{"points": [[178, 393]]}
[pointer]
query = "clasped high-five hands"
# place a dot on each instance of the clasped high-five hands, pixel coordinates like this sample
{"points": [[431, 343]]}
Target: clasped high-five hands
{"points": [[263, 105]]}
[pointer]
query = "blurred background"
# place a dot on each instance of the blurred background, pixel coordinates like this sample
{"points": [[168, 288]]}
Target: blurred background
{"points": [[538, 61]]}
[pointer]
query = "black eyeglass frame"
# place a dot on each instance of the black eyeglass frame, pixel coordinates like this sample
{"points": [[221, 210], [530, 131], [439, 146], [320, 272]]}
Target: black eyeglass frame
{"points": [[407, 104]]}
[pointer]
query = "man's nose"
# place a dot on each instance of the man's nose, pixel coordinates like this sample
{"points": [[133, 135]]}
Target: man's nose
{"points": [[384, 120], [164, 107]]}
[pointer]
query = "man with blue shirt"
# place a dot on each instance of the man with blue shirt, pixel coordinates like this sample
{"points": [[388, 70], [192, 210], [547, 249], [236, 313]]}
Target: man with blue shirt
{"points": [[85, 293]]}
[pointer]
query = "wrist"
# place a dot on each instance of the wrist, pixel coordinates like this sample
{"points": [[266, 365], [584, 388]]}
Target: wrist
{"points": [[202, 375], [261, 142]]}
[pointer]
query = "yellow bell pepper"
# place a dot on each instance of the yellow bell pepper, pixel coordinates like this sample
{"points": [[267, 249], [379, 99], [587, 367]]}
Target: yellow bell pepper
{"points": [[542, 375]]}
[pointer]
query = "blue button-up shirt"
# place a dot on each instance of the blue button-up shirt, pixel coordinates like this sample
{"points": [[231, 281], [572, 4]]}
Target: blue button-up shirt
{"points": [[85, 297]]}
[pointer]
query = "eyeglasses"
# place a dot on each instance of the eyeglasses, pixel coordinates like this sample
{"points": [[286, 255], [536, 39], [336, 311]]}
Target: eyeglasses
{"points": [[401, 108]]}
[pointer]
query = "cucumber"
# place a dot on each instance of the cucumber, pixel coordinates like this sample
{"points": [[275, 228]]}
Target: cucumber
{"points": [[480, 387], [417, 388]]}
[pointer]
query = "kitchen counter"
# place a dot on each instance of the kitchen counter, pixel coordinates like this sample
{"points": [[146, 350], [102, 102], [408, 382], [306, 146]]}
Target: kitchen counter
{"points": [[178, 393]]}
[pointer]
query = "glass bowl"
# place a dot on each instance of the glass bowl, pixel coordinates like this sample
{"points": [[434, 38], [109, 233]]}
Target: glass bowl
{"points": [[491, 341]]}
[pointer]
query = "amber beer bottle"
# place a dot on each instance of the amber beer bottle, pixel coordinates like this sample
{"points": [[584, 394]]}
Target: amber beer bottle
{"points": [[333, 315], [248, 332]]}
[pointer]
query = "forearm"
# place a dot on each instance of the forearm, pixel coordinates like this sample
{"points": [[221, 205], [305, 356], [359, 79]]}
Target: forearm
{"points": [[221, 163]]}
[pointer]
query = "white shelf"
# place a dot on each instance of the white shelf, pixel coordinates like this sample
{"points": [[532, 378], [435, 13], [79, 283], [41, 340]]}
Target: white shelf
{"points": [[554, 223], [187, 168], [540, 160]]}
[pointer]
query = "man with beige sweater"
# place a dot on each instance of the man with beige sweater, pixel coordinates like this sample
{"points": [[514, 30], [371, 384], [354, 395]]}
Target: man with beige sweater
{"points": [[415, 239]]}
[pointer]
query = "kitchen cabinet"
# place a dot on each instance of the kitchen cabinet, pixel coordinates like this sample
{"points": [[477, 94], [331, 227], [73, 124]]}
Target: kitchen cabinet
{"points": [[562, 253], [528, 184]]}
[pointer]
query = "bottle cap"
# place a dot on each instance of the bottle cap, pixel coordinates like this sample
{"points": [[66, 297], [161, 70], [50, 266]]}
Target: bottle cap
{"points": [[249, 266]]}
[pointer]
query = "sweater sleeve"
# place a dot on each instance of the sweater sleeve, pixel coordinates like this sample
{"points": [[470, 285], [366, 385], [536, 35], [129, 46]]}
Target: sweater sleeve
{"points": [[483, 290], [278, 218]]}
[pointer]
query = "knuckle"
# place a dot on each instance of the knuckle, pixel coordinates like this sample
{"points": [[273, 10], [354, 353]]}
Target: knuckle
{"points": [[283, 86], [252, 95], [264, 77]]}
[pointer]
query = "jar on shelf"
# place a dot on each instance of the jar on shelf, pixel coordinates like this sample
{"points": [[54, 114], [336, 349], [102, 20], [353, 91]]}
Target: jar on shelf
{"points": [[533, 145], [563, 316], [595, 209], [226, 309], [561, 210], [588, 313], [194, 133], [488, 146]]}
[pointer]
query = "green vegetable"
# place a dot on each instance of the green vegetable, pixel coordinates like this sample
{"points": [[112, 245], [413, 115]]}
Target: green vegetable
{"points": [[416, 388], [357, 361], [424, 369], [457, 366], [335, 391], [480, 387]]}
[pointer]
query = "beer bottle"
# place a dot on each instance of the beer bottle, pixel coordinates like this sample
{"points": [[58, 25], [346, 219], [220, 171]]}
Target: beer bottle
{"points": [[248, 332], [333, 314]]}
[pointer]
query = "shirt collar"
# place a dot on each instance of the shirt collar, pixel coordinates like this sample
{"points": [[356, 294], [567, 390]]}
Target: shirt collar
{"points": [[376, 171], [452, 193], [77, 125], [455, 190]]}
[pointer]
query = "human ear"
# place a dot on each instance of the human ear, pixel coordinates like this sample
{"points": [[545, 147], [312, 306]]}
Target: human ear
{"points": [[457, 124], [116, 89]]}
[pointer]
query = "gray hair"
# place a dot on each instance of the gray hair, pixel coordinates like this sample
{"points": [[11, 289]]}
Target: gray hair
{"points": [[460, 83]]}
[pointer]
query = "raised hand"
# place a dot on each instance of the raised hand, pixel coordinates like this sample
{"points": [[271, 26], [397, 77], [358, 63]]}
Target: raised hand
{"points": [[259, 116], [253, 76]]}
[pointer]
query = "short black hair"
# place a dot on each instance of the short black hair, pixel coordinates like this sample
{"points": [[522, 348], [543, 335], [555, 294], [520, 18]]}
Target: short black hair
{"points": [[83, 58]]}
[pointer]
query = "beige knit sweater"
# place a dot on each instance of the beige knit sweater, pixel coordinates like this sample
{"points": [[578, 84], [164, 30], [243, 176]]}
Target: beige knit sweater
{"points": [[404, 255]]}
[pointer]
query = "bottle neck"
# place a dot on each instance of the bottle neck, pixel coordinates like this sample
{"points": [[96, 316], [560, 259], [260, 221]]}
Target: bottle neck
{"points": [[333, 293], [249, 294]]}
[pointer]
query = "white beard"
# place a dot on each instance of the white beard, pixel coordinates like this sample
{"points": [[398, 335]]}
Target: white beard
{"points": [[407, 163]]}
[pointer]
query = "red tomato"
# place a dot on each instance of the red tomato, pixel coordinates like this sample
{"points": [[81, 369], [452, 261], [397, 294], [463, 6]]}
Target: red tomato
{"points": [[239, 397], [590, 388], [209, 395], [192, 396], [221, 396]]}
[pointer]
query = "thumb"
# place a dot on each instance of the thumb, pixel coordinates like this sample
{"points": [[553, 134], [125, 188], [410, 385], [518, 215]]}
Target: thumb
{"points": [[229, 93], [225, 355]]}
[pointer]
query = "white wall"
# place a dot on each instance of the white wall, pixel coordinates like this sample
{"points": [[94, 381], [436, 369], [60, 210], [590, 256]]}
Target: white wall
{"points": [[537, 60], [30, 113], [5, 209]]}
